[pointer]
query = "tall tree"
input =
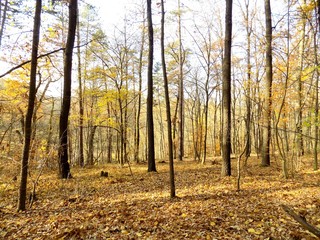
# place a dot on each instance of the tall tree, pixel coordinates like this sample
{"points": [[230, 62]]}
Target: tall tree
{"points": [[151, 153], [138, 111], [248, 26], [3, 17], [168, 113], [64, 167], [267, 101], [226, 93], [300, 144], [31, 103], [180, 94], [316, 107], [81, 108]]}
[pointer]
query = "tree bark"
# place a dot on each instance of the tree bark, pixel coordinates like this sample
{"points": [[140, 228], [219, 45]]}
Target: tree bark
{"points": [[91, 145], [226, 93], [168, 112], [151, 153], [181, 97], [300, 144], [138, 112], [265, 161], [64, 167], [81, 109], [248, 87], [3, 19], [316, 108], [31, 102]]}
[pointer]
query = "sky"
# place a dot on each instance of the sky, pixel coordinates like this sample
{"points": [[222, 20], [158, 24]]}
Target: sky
{"points": [[110, 11]]}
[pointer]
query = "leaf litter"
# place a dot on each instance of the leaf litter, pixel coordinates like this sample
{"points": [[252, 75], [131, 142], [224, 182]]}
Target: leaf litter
{"points": [[139, 207]]}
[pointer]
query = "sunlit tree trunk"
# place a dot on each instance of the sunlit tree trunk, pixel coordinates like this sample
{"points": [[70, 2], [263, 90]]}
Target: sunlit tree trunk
{"points": [[226, 93], [31, 103], [64, 167], [267, 101], [151, 153]]}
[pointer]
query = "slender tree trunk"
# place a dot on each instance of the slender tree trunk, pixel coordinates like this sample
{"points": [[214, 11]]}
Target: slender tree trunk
{"points": [[168, 113], [316, 110], [316, 106], [248, 87], [31, 103], [181, 97], [226, 93], [3, 18], [174, 130], [81, 110], [91, 145], [109, 136], [138, 113], [50, 128], [64, 167], [300, 144], [265, 161], [151, 153]]}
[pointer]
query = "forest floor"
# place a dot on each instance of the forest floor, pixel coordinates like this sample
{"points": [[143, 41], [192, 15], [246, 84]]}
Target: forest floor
{"points": [[122, 206]]}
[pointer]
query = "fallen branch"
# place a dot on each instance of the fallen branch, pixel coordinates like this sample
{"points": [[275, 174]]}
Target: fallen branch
{"points": [[301, 220]]}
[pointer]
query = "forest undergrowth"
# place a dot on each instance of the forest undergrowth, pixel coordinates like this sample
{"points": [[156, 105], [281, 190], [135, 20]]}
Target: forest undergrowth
{"points": [[138, 206]]}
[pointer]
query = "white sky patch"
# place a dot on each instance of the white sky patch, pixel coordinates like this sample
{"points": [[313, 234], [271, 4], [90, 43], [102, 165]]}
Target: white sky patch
{"points": [[111, 12]]}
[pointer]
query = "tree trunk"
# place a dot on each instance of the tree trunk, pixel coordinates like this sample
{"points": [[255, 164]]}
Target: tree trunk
{"points": [[248, 86], [81, 109], [226, 93], [31, 101], [316, 108], [138, 112], [109, 136], [3, 19], [91, 145], [181, 97], [316, 104], [265, 161], [50, 133], [168, 113], [64, 167], [300, 144], [151, 153]]}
